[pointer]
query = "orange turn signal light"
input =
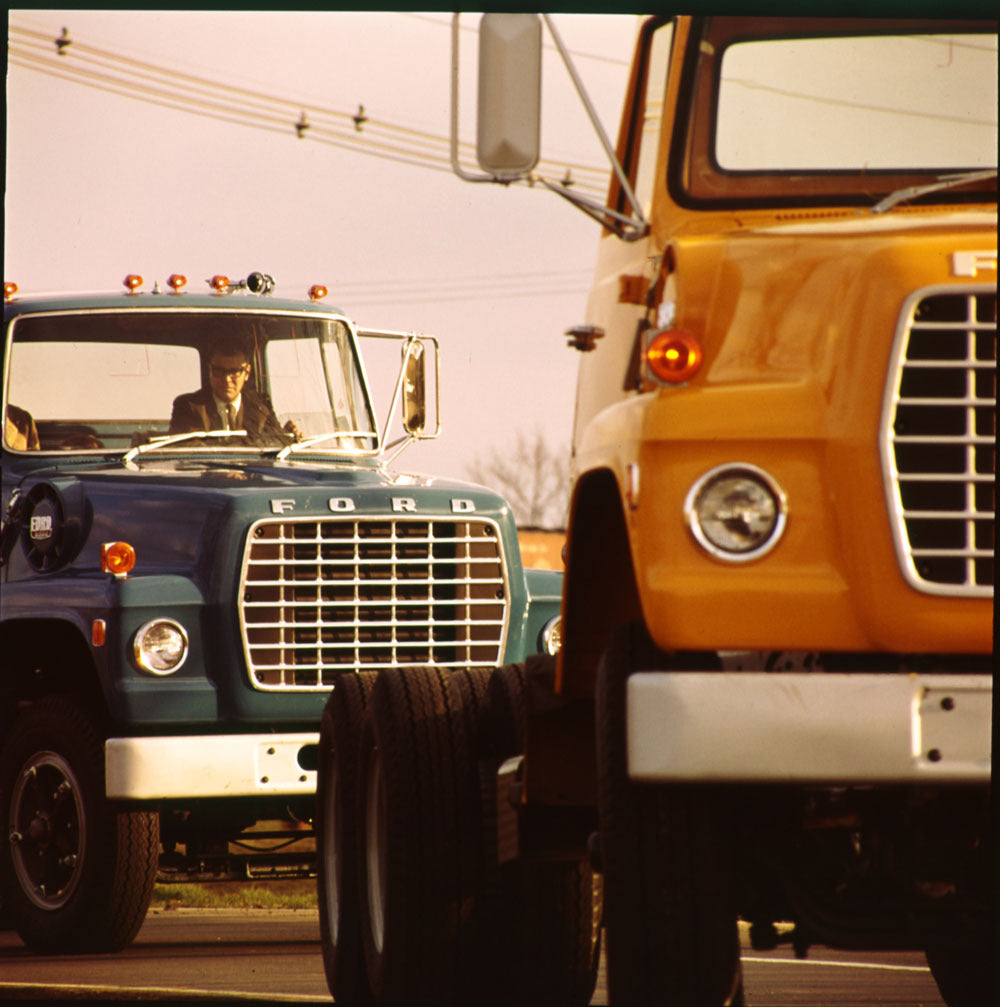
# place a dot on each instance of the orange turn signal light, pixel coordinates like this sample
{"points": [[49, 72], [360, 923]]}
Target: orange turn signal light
{"points": [[219, 282], [9, 289], [176, 280], [132, 282], [674, 356], [117, 558], [317, 292]]}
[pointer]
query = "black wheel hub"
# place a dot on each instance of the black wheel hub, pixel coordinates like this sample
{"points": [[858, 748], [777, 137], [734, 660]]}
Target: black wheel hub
{"points": [[47, 830]]}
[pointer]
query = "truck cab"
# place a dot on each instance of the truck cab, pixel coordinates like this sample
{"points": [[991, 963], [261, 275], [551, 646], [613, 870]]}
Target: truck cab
{"points": [[203, 534], [773, 700]]}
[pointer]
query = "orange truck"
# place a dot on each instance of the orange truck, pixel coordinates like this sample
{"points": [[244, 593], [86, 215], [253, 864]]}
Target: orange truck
{"points": [[773, 698]]}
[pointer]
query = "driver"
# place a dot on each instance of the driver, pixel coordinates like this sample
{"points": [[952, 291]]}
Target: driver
{"points": [[228, 403]]}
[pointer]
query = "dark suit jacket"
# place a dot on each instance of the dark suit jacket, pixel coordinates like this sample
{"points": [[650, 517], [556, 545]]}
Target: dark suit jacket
{"points": [[196, 411]]}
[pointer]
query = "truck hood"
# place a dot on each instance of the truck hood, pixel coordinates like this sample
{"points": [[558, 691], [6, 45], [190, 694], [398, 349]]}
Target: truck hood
{"points": [[181, 514], [787, 299]]}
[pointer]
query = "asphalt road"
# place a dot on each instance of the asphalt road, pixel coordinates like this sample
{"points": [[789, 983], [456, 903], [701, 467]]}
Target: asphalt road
{"points": [[274, 955]]}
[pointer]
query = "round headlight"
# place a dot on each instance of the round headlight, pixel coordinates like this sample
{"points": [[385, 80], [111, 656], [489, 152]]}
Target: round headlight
{"points": [[160, 647], [736, 512], [551, 639]]}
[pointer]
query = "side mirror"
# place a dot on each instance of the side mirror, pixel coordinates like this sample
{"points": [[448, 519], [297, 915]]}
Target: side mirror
{"points": [[414, 389], [510, 94]]}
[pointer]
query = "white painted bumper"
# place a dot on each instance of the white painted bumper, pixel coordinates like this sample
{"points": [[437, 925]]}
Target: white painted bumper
{"points": [[815, 727], [236, 765]]}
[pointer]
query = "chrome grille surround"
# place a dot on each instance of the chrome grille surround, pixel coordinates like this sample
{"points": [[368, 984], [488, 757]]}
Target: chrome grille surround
{"points": [[324, 596], [938, 439]]}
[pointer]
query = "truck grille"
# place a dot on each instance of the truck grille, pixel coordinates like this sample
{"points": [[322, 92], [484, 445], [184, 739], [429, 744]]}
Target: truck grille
{"points": [[320, 597], [939, 440]]}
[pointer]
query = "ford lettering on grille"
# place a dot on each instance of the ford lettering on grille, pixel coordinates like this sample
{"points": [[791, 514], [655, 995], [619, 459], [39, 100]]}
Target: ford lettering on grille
{"points": [[319, 597]]}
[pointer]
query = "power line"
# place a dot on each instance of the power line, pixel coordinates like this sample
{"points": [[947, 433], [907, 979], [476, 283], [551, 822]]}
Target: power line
{"points": [[140, 80], [576, 53], [344, 299], [418, 290]]}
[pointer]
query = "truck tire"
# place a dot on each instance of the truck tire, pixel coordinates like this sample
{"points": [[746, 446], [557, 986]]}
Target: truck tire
{"points": [[337, 863], [422, 852], [503, 722], [965, 974], [551, 932], [78, 871], [670, 915], [545, 915]]}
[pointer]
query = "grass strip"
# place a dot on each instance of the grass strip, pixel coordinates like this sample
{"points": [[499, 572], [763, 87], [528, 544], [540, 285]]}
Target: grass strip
{"points": [[283, 895]]}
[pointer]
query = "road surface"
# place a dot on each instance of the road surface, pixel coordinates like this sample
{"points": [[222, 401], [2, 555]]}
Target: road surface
{"points": [[230, 954]]}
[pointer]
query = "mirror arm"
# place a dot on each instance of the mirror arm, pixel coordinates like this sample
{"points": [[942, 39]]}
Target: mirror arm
{"points": [[625, 227], [404, 443], [397, 391], [629, 228], [640, 217]]}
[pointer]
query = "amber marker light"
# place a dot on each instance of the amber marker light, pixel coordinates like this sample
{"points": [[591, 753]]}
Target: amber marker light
{"points": [[175, 281], [674, 356], [317, 292], [117, 558], [9, 289], [132, 282], [219, 283]]}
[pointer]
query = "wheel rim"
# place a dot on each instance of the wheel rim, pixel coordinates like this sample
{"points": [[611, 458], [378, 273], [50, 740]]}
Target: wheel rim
{"points": [[375, 850], [48, 830]]}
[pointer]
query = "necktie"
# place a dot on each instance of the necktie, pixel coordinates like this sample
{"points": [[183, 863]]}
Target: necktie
{"points": [[231, 416]]}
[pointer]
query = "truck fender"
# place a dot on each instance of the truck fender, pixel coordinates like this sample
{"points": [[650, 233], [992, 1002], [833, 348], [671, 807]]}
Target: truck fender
{"points": [[600, 590]]}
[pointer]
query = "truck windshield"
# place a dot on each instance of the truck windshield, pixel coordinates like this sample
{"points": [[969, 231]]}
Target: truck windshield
{"points": [[115, 380], [788, 111]]}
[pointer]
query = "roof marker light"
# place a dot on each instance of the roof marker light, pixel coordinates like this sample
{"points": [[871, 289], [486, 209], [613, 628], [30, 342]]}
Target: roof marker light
{"points": [[674, 356], [317, 292], [219, 283], [175, 281], [9, 289], [132, 282]]}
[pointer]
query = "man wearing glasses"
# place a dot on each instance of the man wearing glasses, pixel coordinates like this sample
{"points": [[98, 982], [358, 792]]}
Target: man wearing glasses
{"points": [[227, 403]]}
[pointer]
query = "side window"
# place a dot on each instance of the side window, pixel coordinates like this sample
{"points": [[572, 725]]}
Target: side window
{"points": [[655, 86]]}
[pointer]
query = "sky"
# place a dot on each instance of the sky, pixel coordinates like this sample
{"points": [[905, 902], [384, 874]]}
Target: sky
{"points": [[100, 184]]}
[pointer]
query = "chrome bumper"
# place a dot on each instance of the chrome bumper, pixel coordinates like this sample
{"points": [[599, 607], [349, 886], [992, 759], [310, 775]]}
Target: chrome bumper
{"points": [[232, 765], [780, 727]]}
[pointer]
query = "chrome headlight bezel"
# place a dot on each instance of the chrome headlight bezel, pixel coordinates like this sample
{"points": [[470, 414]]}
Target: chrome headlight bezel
{"points": [[774, 513], [152, 660], [550, 639]]}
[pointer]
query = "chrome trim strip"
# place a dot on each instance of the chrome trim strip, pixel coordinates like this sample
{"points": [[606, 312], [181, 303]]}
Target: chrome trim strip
{"points": [[907, 553]]}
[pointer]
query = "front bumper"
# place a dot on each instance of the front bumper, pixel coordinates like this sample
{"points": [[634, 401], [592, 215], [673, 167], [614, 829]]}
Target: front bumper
{"points": [[231, 765], [783, 727]]}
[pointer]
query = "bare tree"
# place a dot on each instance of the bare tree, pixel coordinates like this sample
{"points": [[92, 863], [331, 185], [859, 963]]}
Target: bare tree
{"points": [[533, 476]]}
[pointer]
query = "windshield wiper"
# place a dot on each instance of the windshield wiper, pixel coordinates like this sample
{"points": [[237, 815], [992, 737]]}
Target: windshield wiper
{"points": [[308, 442], [942, 182], [155, 443]]}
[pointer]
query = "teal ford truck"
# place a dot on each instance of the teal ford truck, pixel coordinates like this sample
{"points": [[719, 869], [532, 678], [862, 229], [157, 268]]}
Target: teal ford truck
{"points": [[202, 536]]}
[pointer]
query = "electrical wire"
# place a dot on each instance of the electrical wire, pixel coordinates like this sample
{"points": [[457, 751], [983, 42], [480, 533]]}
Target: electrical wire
{"points": [[463, 288], [102, 69]]}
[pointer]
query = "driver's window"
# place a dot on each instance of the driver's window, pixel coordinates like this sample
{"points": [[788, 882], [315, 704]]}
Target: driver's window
{"points": [[652, 115]]}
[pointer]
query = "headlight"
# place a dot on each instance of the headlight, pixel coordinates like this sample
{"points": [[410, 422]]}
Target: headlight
{"points": [[551, 638], [736, 512], [160, 647]]}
